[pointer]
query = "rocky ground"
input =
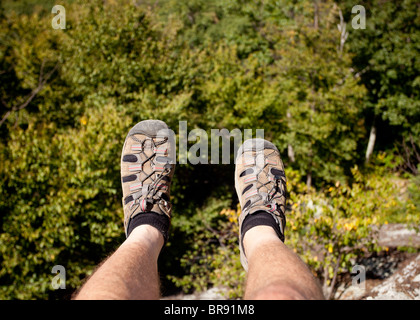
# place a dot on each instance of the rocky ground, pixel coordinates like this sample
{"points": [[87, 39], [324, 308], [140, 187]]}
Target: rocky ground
{"points": [[392, 274]]}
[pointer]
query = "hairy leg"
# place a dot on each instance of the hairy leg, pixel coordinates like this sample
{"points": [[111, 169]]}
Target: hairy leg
{"points": [[131, 272], [276, 272]]}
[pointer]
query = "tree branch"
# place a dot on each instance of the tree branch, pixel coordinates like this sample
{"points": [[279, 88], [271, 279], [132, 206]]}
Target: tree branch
{"points": [[41, 83], [343, 33], [334, 280]]}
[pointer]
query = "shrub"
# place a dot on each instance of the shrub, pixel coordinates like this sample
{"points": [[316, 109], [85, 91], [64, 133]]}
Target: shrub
{"points": [[328, 229]]}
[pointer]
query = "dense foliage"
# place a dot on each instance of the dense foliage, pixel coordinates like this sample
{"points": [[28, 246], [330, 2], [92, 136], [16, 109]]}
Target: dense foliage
{"points": [[68, 98]]}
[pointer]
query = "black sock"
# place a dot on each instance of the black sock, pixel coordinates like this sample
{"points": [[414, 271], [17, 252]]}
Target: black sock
{"points": [[159, 221], [260, 218]]}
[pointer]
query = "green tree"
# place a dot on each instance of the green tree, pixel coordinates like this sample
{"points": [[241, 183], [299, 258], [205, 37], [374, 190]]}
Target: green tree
{"points": [[319, 90], [61, 197], [386, 59]]}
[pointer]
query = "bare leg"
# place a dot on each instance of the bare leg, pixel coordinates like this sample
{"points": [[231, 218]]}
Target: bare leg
{"points": [[131, 272], [276, 272]]}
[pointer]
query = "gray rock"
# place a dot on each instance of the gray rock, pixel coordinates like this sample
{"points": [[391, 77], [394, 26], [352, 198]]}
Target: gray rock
{"points": [[398, 235], [404, 284]]}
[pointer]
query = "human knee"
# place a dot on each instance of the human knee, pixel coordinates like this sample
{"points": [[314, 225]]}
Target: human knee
{"points": [[279, 292]]}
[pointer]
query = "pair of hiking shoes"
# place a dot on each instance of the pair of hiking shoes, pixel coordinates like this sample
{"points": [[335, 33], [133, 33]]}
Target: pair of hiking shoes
{"points": [[147, 169]]}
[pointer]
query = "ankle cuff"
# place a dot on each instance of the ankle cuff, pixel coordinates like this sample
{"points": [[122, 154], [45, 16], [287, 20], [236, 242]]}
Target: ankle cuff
{"points": [[260, 218], [159, 221]]}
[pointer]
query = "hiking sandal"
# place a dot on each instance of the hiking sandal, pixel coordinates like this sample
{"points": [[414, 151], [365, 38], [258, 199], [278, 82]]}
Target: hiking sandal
{"points": [[147, 168], [260, 184]]}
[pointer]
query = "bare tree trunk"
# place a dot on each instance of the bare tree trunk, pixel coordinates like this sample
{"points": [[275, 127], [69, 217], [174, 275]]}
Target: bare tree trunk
{"points": [[309, 172], [343, 33], [371, 143], [290, 151], [316, 14], [309, 180]]}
